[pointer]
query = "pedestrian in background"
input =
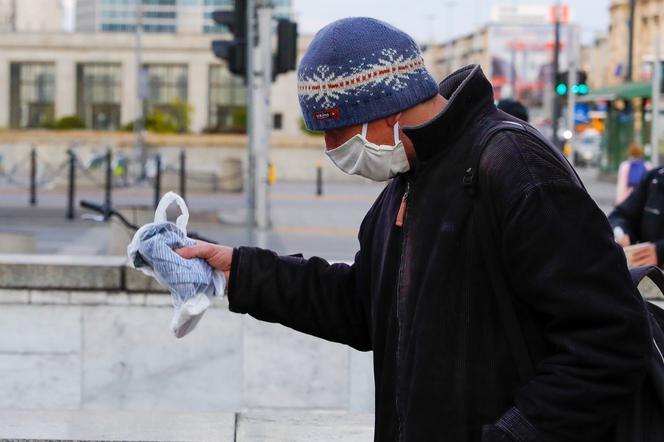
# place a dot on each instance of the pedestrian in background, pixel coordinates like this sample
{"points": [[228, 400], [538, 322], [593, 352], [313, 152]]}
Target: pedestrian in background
{"points": [[640, 220], [630, 172], [514, 108]]}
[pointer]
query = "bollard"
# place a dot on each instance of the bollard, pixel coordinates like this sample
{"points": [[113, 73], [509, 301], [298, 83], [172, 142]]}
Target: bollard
{"points": [[157, 180], [319, 180], [108, 185], [33, 177], [71, 186], [183, 174], [271, 174]]}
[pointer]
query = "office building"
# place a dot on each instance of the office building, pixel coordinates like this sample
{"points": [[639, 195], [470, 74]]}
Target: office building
{"points": [[94, 76], [158, 16], [30, 15]]}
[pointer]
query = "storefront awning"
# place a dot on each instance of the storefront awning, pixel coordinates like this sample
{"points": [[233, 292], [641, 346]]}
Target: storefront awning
{"points": [[625, 91]]}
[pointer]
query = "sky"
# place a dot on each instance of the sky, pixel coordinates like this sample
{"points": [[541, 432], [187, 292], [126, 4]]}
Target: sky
{"points": [[427, 19], [441, 19]]}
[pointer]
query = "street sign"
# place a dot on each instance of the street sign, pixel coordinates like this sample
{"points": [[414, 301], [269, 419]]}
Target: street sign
{"points": [[581, 113]]}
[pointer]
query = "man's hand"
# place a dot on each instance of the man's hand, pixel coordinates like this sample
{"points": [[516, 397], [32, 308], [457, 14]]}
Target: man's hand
{"points": [[219, 257], [644, 256], [624, 241]]}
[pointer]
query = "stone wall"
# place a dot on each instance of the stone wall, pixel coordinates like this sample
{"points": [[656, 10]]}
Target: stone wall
{"points": [[90, 334]]}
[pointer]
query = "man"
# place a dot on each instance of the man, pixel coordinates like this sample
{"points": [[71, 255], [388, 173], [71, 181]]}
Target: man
{"points": [[640, 219], [514, 108], [417, 294]]}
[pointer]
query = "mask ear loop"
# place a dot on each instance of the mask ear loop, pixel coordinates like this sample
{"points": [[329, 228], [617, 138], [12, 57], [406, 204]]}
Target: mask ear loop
{"points": [[396, 133], [365, 126]]}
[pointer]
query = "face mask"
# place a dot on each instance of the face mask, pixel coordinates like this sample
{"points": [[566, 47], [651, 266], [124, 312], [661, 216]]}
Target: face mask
{"points": [[359, 156]]}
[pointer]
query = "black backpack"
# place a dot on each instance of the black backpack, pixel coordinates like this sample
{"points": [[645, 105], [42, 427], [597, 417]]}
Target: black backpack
{"points": [[644, 422]]}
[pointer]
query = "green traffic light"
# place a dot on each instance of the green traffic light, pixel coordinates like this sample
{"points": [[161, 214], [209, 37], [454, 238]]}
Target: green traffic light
{"points": [[561, 89], [582, 89], [575, 89]]}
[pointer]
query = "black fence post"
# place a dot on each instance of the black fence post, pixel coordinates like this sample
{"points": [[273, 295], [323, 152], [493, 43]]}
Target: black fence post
{"points": [[157, 180], [183, 174], [109, 185], [319, 180], [33, 177], [71, 184]]}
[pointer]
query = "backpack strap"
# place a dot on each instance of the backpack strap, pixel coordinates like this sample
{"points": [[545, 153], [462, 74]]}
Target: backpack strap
{"points": [[502, 294], [471, 174]]}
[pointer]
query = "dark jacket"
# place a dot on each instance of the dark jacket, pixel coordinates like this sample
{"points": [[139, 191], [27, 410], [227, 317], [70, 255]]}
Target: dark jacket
{"points": [[418, 297], [641, 215]]}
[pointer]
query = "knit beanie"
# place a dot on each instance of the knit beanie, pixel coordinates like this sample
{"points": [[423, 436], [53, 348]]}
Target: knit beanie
{"points": [[360, 69]]}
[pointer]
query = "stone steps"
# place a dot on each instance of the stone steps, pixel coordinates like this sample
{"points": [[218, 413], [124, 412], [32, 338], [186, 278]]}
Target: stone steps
{"points": [[263, 425]]}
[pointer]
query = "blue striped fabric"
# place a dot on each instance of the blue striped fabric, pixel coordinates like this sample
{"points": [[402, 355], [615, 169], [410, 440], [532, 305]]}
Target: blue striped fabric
{"points": [[185, 278]]}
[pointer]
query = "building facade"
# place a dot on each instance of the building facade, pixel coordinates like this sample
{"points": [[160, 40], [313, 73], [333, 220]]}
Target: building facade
{"points": [[515, 50], [648, 26], [47, 76], [595, 63], [158, 16], [31, 15]]}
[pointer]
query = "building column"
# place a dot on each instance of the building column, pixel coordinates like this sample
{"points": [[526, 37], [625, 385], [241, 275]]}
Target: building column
{"points": [[197, 94], [129, 104], [5, 93], [65, 88]]}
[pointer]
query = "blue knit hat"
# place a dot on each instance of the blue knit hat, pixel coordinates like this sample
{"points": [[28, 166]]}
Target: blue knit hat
{"points": [[358, 70]]}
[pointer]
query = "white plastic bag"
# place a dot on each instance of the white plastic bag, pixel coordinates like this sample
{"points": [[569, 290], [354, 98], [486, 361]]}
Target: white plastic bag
{"points": [[192, 282]]}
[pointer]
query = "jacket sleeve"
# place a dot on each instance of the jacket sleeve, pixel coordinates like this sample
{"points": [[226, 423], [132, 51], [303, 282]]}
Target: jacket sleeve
{"points": [[627, 215], [308, 295], [568, 273]]}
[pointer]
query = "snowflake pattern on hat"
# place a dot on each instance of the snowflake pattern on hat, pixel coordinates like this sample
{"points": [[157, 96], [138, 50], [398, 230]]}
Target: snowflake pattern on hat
{"points": [[327, 86], [359, 69]]}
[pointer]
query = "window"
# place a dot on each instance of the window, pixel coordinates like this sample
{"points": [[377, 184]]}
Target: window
{"points": [[159, 2], [159, 28], [277, 121], [214, 29], [117, 27], [219, 3], [98, 87], [159, 14], [166, 82], [167, 91], [228, 101], [32, 94]]}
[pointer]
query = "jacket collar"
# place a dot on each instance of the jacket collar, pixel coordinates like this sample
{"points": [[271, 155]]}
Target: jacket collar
{"points": [[469, 95]]}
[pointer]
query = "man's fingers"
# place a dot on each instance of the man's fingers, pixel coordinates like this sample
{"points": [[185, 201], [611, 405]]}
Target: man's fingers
{"points": [[198, 250]]}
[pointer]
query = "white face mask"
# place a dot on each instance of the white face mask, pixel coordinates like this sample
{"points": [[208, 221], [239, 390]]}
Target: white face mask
{"points": [[359, 156]]}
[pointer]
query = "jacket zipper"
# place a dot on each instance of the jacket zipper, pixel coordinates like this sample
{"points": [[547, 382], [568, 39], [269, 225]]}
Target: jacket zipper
{"points": [[401, 214], [401, 220]]}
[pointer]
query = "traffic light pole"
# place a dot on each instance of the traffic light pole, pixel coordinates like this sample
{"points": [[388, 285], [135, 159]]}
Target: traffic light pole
{"points": [[571, 78], [139, 122], [556, 62], [251, 117], [262, 107], [654, 104], [260, 82]]}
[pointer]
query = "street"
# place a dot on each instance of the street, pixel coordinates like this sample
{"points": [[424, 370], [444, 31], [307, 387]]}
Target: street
{"points": [[301, 221]]}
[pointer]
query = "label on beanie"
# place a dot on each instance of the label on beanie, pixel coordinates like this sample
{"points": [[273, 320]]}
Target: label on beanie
{"points": [[329, 114]]}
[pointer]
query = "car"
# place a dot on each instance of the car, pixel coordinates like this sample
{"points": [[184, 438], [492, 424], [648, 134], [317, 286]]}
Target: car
{"points": [[587, 148]]}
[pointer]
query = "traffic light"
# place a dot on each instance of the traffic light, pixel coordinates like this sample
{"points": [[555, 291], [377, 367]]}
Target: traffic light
{"points": [[233, 51], [561, 83], [582, 83], [580, 88], [286, 57]]}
